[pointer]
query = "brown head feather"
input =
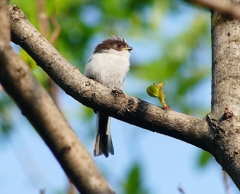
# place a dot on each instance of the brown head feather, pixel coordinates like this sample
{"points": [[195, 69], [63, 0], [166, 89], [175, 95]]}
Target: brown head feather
{"points": [[114, 42]]}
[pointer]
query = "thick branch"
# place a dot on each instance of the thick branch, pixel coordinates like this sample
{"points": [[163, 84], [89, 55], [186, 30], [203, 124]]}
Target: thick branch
{"points": [[95, 95], [226, 91], [40, 110]]}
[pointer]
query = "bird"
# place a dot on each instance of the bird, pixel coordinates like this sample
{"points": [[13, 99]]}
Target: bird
{"points": [[108, 65]]}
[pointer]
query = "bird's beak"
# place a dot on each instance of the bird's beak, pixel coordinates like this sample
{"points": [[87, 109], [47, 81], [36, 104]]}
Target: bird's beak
{"points": [[128, 48]]}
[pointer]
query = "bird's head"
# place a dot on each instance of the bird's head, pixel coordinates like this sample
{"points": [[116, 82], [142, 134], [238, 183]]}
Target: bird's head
{"points": [[116, 43]]}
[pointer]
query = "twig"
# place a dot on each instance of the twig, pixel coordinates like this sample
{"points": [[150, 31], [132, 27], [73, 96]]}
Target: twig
{"points": [[42, 191], [181, 190], [57, 28], [42, 17], [226, 182]]}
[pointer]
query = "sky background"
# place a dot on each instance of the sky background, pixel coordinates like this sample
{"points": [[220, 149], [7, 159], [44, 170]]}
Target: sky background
{"points": [[27, 165]]}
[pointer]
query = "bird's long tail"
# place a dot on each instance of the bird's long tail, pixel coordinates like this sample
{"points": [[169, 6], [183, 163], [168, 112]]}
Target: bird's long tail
{"points": [[103, 142]]}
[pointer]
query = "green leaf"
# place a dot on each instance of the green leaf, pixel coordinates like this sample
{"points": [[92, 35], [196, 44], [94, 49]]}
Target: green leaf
{"points": [[204, 158], [134, 183]]}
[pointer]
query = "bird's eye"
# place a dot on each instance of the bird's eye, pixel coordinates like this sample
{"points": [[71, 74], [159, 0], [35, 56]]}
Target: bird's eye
{"points": [[119, 45]]}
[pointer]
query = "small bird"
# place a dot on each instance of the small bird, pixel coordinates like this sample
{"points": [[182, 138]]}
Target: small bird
{"points": [[108, 65]]}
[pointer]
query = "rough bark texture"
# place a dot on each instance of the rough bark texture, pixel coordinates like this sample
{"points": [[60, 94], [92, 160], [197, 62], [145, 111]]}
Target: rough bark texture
{"points": [[226, 92], [218, 133], [40, 110]]}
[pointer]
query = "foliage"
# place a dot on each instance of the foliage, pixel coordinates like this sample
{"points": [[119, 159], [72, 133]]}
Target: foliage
{"points": [[155, 91], [134, 183]]}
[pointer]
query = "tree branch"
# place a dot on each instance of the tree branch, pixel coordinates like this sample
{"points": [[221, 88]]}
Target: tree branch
{"points": [[226, 91], [223, 7], [40, 110], [92, 94]]}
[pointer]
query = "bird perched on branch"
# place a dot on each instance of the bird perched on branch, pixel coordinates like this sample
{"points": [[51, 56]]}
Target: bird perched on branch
{"points": [[108, 65]]}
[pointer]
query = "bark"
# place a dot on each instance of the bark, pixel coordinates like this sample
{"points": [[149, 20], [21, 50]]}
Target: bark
{"points": [[226, 92], [38, 107], [218, 133]]}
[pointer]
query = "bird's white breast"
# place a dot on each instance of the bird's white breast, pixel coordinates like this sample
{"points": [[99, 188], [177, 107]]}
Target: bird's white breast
{"points": [[109, 68]]}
